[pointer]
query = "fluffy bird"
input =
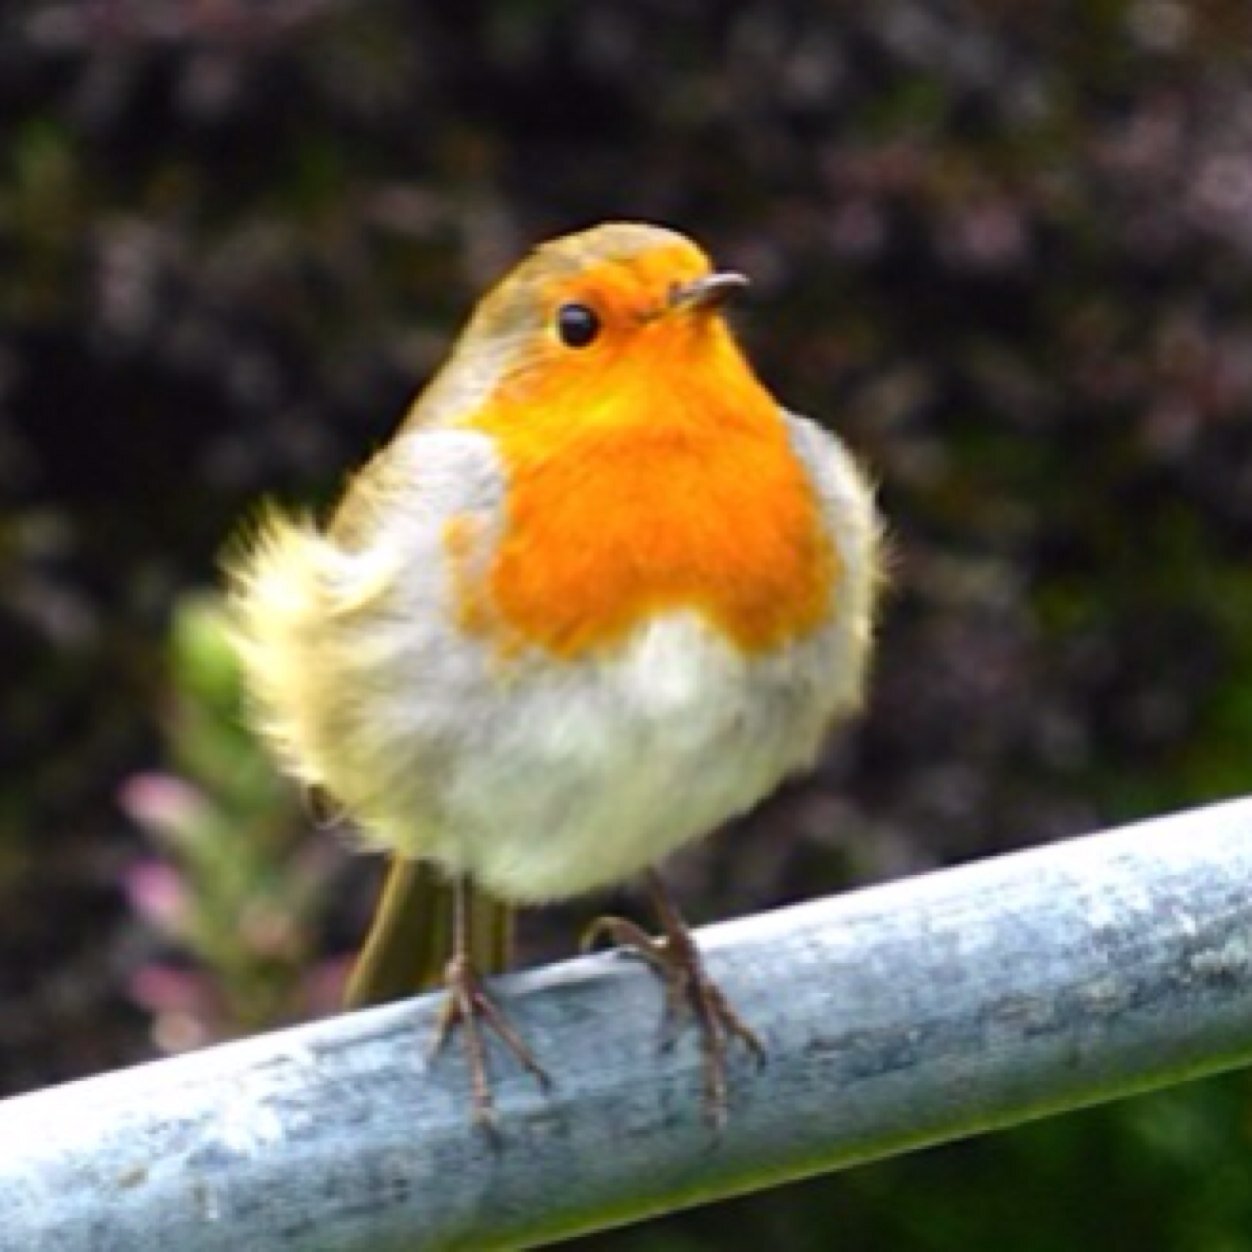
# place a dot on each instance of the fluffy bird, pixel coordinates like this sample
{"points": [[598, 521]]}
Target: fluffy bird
{"points": [[598, 594]]}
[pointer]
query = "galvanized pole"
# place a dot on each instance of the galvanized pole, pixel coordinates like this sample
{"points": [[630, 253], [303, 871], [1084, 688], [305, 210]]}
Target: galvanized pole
{"points": [[895, 1017]]}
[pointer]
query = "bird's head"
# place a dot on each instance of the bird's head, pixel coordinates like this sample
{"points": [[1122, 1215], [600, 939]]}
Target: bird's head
{"points": [[614, 323]]}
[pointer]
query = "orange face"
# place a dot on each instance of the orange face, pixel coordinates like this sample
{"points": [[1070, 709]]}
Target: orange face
{"points": [[649, 471]]}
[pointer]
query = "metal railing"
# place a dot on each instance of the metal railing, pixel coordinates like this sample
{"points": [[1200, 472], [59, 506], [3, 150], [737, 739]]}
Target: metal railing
{"points": [[898, 1016]]}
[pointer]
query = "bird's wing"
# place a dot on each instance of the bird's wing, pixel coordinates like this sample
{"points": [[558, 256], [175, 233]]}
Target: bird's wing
{"points": [[300, 599], [847, 503]]}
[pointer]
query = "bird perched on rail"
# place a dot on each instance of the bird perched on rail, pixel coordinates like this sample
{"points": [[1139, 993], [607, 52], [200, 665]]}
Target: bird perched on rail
{"points": [[599, 593]]}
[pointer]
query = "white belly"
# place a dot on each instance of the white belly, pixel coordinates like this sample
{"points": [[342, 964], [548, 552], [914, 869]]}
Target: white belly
{"points": [[582, 778]]}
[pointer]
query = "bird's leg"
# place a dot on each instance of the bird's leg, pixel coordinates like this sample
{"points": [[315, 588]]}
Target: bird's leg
{"points": [[470, 1007], [677, 961]]}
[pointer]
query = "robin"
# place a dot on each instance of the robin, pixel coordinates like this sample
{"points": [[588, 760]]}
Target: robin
{"points": [[599, 594]]}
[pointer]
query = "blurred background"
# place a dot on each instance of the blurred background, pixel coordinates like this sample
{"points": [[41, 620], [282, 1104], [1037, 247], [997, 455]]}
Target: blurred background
{"points": [[1005, 250]]}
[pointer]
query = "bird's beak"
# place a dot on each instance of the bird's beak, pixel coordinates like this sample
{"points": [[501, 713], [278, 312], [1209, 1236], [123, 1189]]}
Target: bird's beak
{"points": [[707, 292]]}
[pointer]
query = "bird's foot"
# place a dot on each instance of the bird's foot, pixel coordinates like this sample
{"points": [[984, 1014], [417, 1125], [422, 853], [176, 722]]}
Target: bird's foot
{"points": [[470, 1007], [688, 988]]}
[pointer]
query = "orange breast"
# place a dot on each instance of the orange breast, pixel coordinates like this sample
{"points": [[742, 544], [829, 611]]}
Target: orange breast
{"points": [[635, 491]]}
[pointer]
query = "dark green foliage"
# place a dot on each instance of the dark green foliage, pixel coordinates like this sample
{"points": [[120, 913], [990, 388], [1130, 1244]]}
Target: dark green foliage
{"points": [[1005, 249]]}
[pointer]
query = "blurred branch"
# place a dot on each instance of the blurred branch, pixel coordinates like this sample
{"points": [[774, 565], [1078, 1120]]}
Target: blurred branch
{"points": [[896, 1017]]}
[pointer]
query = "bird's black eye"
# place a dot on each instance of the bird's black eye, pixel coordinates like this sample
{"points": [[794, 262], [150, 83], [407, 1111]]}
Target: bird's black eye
{"points": [[577, 325]]}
